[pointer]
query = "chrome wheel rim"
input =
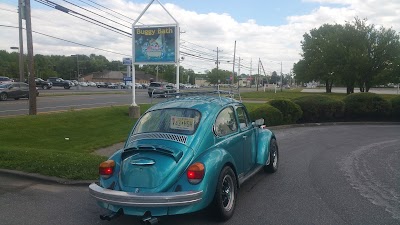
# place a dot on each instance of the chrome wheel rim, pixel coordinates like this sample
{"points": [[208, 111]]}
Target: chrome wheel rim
{"points": [[275, 158], [227, 192]]}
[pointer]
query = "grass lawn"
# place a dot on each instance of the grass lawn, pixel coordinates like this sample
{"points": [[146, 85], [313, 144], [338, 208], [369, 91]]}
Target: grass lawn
{"points": [[38, 144], [292, 94]]}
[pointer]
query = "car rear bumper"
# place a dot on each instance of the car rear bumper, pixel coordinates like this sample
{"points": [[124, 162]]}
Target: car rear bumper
{"points": [[164, 199]]}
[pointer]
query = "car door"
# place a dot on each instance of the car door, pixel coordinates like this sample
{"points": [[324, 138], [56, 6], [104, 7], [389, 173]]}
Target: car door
{"points": [[24, 90], [14, 91], [228, 137], [249, 138]]}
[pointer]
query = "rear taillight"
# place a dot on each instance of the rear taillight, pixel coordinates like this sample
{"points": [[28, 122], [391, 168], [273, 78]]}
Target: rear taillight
{"points": [[106, 168], [195, 173]]}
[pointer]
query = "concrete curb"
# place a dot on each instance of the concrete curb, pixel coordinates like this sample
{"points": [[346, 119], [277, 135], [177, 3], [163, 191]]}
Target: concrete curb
{"points": [[48, 179], [57, 180]]}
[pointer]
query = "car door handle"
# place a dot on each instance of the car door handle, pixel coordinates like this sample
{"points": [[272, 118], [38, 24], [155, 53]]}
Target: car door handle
{"points": [[244, 137]]}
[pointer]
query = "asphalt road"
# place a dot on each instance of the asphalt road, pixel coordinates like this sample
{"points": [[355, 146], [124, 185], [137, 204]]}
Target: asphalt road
{"points": [[60, 99], [344, 174]]}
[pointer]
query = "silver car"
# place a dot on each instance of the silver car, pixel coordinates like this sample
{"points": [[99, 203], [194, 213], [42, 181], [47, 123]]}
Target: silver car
{"points": [[160, 89]]}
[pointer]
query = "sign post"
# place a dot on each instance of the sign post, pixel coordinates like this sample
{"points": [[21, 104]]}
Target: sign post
{"points": [[153, 45]]}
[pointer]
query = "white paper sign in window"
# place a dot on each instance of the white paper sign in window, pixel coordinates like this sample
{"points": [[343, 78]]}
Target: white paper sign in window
{"points": [[182, 123]]}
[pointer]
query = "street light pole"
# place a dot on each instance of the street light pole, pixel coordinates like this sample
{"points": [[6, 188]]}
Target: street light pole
{"points": [[21, 44], [281, 78]]}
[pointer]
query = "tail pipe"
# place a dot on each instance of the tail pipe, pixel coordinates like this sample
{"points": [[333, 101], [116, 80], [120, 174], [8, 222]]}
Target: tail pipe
{"points": [[112, 215], [148, 219]]}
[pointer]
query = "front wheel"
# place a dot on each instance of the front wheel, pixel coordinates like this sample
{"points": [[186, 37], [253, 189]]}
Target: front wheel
{"points": [[3, 96], [225, 196], [67, 87], [272, 163]]}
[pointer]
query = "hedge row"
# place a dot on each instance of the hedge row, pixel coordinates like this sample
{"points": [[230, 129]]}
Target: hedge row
{"points": [[319, 108]]}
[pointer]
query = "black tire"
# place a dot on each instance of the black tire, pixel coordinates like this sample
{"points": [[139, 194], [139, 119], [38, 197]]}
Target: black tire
{"points": [[45, 86], [3, 96], [272, 166], [223, 205], [150, 95], [16, 98], [67, 87]]}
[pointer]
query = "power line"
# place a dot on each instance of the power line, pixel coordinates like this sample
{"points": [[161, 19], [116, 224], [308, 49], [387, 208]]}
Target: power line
{"points": [[110, 10], [96, 14], [83, 17], [72, 42]]}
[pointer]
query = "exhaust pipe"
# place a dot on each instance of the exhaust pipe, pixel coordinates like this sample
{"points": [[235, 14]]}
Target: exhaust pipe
{"points": [[112, 215], [147, 219]]}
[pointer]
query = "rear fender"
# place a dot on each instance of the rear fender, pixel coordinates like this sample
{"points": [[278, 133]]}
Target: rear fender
{"points": [[264, 138], [214, 160], [113, 180]]}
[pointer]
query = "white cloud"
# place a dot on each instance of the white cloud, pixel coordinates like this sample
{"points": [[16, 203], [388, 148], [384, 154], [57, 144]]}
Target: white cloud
{"points": [[211, 30]]}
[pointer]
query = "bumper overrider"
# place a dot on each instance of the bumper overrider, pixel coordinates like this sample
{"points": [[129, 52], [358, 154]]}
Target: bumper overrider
{"points": [[164, 199]]}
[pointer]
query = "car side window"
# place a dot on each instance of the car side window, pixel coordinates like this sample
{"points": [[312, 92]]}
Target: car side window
{"points": [[243, 118], [225, 123]]}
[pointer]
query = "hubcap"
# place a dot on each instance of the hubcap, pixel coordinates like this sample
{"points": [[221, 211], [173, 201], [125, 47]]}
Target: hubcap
{"points": [[227, 192], [275, 158]]}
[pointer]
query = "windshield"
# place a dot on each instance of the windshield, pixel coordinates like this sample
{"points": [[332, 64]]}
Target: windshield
{"points": [[179, 121], [5, 85]]}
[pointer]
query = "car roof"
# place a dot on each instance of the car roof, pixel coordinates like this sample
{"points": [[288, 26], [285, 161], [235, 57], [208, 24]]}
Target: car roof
{"points": [[204, 104]]}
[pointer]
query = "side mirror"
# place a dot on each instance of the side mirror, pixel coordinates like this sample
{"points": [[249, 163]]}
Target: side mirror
{"points": [[259, 122]]}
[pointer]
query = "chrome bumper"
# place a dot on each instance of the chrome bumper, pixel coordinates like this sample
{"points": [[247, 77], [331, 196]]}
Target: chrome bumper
{"points": [[164, 199]]}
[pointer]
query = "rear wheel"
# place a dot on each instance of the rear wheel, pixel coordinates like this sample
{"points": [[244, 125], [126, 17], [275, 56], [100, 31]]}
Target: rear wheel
{"points": [[3, 96], [225, 196], [272, 166], [16, 98], [45, 86], [67, 87]]}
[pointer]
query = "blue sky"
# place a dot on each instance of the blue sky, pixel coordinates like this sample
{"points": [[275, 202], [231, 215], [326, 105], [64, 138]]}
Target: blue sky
{"points": [[270, 13]]}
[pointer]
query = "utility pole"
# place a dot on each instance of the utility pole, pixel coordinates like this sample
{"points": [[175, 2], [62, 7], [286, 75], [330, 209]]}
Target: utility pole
{"points": [[258, 73], [218, 63], [281, 78], [233, 67], [251, 69], [238, 72], [21, 12], [157, 73], [31, 74]]}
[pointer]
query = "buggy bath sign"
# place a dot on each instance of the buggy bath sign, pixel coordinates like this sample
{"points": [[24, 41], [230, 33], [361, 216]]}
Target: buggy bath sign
{"points": [[155, 44]]}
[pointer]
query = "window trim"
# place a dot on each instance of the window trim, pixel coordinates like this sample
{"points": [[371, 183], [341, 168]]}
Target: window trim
{"points": [[237, 128]]}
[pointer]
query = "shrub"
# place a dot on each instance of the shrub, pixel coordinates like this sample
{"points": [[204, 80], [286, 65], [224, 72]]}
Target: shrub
{"points": [[291, 111], [396, 107], [366, 106], [319, 108], [271, 115]]}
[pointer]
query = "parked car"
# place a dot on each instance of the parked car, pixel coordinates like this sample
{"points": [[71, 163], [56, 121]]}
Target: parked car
{"points": [[112, 85], [160, 88], [91, 84], [59, 82], [5, 80], [42, 83], [184, 155], [15, 90], [102, 85]]}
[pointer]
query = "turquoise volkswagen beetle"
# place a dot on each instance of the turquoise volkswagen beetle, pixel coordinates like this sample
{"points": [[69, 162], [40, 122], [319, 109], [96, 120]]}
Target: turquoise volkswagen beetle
{"points": [[183, 155]]}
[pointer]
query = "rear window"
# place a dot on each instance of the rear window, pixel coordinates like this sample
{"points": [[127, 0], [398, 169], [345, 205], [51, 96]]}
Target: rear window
{"points": [[4, 79], [178, 121], [155, 85]]}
